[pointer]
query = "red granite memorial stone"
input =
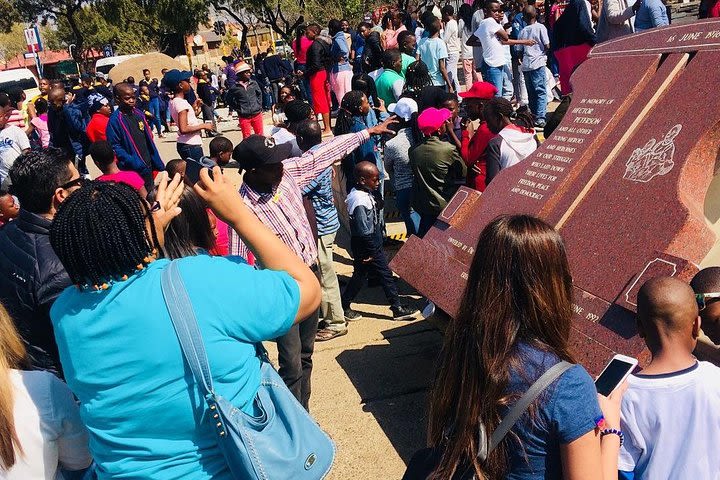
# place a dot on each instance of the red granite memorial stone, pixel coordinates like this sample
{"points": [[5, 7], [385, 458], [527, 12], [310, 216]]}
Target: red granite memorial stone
{"points": [[623, 178]]}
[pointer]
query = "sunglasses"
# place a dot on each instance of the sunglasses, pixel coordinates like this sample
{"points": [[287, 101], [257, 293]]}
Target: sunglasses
{"points": [[702, 299], [77, 182]]}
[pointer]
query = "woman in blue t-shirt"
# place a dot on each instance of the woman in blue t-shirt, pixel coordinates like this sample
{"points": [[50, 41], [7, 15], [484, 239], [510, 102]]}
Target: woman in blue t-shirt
{"points": [[513, 324], [117, 345]]}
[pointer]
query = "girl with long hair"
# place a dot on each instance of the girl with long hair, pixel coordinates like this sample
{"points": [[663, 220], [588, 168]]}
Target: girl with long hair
{"points": [[465, 14], [40, 427], [417, 77], [116, 339], [513, 325], [515, 135]]}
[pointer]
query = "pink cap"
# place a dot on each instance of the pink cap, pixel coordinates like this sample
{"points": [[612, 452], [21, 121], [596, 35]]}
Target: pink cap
{"points": [[431, 119]]}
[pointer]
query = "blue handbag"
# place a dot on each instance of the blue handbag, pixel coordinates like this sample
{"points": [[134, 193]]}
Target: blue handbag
{"points": [[283, 441]]}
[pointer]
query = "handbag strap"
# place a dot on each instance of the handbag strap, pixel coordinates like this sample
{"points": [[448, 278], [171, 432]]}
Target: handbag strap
{"points": [[509, 421], [185, 324]]}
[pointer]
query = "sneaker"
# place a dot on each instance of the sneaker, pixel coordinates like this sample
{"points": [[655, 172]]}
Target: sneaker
{"points": [[540, 124], [326, 334], [351, 315], [403, 312]]}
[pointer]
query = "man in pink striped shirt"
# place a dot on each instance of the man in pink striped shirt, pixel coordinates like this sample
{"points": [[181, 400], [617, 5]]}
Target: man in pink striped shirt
{"points": [[272, 189]]}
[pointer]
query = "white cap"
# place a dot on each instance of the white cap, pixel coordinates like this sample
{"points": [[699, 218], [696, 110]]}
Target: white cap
{"points": [[404, 108]]}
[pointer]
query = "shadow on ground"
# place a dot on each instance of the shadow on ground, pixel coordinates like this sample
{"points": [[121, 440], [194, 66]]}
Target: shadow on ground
{"points": [[393, 380]]}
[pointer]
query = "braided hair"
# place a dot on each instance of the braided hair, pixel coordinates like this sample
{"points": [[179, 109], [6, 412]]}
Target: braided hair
{"points": [[366, 84], [349, 108], [417, 77], [99, 233], [500, 107]]}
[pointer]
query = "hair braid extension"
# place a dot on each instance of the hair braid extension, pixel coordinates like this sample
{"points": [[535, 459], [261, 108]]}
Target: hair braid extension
{"points": [[99, 233]]}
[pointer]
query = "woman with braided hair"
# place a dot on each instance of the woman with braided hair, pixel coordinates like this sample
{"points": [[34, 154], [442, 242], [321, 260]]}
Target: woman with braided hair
{"points": [[417, 77], [515, 135], [116, 340], [354, 116]]}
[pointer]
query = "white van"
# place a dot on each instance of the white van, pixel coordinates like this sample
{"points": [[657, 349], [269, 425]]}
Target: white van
{"points": [[19, 77], [104, 65]]}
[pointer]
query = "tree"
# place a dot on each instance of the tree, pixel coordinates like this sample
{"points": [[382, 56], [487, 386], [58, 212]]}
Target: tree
{"points": [[12, 43], [9, 17], [56, 10]]}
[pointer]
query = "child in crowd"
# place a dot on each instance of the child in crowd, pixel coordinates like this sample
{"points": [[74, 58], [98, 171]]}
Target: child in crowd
{"points": [[451, 103], [534, 60], [9, 207], [13, 142], [706, 284], [221, 149], [433, 51], [246, 98], [176, 165], [105, 160], [143, 102], [437, 167], [670, 413], [515, 138], [366, 243], [476, 135], [41, 134], [100, 110]]}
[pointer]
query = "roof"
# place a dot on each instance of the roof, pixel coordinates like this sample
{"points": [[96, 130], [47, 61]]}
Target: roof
{"points": [[47, 57], [210, 36]]}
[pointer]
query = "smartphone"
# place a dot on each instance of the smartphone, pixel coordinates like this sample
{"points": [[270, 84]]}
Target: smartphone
{"points": [[193, 167], [614, 374]]}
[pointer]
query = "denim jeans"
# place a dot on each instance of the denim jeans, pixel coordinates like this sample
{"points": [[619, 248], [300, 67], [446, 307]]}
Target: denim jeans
{"points": [[403, 198], [304, 82], [378, 265], [155, 111], [494, 75], [185, 150], [537, 92]]}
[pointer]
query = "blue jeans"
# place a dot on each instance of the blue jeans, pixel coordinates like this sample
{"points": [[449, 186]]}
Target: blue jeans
{"points": [[494, 75], [304, 82], [537, 92], [185, 150], [155, 111], [403, 198]]}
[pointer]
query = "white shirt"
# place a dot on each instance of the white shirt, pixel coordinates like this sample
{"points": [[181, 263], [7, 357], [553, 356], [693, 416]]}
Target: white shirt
{"points": [[672, 425], [47, 422], [178, 105], [451, 36], [493, 51], [477, 19], [466, 53], [13, 141]]}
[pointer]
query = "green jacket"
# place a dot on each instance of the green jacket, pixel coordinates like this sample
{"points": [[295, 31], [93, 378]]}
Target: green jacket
{"points": [[439, 171]]}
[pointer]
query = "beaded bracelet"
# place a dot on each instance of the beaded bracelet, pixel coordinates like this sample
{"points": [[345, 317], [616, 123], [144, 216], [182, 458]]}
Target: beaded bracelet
{"points": [[613, 431]]}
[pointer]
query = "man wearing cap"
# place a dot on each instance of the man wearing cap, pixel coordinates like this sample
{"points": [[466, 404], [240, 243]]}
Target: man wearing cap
{"points": [[272, 189], [475, 138], [246, 99], [437, 167], [131, 137], [100, 111]]}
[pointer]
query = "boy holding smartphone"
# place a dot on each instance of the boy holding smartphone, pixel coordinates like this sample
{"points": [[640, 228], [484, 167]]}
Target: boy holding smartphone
{"points": [[671, 411]]}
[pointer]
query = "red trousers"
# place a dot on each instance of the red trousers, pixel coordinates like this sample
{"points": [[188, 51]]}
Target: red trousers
{"points": [[255, 122]]}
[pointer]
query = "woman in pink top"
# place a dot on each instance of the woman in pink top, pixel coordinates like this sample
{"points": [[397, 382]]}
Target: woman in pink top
{"points": [[300, 47], [39, 123]]}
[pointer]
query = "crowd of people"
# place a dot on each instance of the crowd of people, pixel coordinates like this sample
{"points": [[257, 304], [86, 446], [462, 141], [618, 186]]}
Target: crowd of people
{"points": [[422, 103]]}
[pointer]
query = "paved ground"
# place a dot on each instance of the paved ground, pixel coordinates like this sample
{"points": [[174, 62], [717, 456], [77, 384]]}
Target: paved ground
{"points": [[370, 386]]}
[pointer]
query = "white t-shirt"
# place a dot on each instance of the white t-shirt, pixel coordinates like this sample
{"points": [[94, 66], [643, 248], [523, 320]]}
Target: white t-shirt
{"points": [[477, 19], [493, 51], [177, 105], [13, 141], [672, 425], [451, 35], [466, 52], [47, 422]]}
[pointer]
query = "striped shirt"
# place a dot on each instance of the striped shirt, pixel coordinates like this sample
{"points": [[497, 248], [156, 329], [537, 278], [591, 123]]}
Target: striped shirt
{"points": [[282, 209]]}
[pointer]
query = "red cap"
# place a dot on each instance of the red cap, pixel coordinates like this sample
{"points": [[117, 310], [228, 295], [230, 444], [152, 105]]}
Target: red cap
{"points": [[431, 119], [484, 90]]}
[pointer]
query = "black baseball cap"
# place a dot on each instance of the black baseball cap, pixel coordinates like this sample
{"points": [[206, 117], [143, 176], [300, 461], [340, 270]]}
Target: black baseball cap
{"points": [[257, 151]]}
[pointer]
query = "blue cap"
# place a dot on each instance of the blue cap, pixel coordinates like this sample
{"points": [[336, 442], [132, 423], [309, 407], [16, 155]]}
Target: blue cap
{"points": [[173, 78]]}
